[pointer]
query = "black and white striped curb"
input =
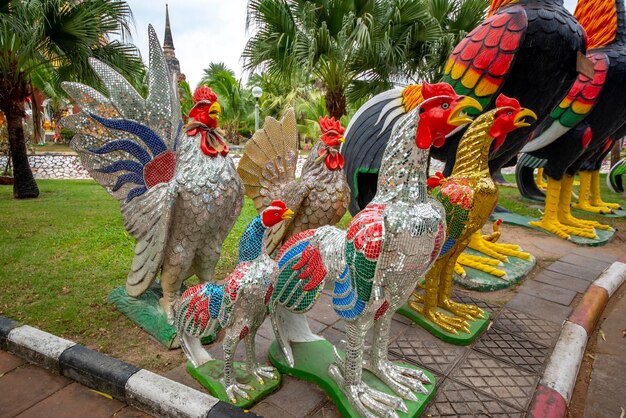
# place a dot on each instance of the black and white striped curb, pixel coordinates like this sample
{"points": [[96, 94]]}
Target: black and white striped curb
{"points": [[137, 387]]}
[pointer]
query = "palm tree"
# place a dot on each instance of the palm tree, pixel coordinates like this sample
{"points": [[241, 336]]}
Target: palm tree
{"points": [[55, 37], [335, 40]]}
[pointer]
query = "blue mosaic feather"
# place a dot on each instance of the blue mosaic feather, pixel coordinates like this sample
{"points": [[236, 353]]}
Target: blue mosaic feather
{"points": [[147, 135], [127, 146], [122, 165], [128, 178], [251, 240]]}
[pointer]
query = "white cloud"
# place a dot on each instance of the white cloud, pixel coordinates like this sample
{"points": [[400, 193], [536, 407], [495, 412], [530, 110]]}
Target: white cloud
{"points": [[204, 31]]}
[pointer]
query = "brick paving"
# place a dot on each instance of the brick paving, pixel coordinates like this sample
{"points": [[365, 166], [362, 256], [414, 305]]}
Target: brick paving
{"points": [[31, 392], [495, 376]]}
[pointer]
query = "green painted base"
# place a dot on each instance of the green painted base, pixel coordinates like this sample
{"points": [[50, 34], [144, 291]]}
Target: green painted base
{"points": [[519, 220], [311, 363], [463, 338], [146, 312], [516, 269], [211, 373]]}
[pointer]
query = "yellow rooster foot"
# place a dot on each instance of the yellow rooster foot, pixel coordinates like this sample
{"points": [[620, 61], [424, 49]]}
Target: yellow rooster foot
{"points": [[539, 181], [470, 312], [446, 322], [568, 219], [484, 264], [588, 207], [560, 230], [498, 251], [611, 205]]}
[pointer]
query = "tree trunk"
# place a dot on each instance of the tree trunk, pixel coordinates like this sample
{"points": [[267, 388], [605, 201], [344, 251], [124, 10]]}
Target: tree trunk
{"points": [[335, 103], [37, 125], [25, 186]]}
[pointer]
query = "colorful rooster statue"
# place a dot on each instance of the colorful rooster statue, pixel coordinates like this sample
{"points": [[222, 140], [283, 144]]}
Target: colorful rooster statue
{"points": [[268, 169], [525, 49], [179, 193], [238, 305], [374, 264], [583, 127], [468, 196]]}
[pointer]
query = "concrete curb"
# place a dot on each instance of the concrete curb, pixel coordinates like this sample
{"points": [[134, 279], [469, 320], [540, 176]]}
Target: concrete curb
{"points": [[153, 394], [559, 378]]}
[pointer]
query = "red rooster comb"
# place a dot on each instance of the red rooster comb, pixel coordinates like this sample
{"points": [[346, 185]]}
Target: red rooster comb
{"points": [[328, 124], [278, 204], [204, 93], [438, 89], [503, 101]]}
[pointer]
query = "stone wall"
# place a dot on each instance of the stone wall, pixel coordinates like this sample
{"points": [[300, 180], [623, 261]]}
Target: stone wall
{"points": [[52, 165]]}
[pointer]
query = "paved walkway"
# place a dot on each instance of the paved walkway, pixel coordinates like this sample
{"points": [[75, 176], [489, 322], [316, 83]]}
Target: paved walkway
{"points": [[496, 376], [30, 391]]}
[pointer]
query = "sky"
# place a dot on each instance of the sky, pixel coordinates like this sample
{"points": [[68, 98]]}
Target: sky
{"points": [[204, 31]]}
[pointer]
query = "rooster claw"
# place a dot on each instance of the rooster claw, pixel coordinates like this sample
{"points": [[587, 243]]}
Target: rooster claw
{"points": [[238, 389], [368, 402]]}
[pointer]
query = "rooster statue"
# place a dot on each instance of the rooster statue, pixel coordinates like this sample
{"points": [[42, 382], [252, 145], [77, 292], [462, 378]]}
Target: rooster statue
{"points": [[268, 170], [526, 49], [582, 128], [179, 193], [238, 305], [468, 196], [374, 263]]}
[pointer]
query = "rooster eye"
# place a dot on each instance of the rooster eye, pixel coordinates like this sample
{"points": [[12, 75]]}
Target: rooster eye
{"points": [[445, 105], [510, 112]]}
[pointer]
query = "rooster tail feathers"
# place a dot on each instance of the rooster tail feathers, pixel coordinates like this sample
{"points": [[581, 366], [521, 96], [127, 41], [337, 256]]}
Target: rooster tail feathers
{"points": [[119, 133], [269, 160]]}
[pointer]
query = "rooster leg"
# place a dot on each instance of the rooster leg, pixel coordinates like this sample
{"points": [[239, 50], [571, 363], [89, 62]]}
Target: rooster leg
{"points": [[172, 277], [550, 220], [192, 346], [402, 380], [584, 196], [232, 387], [251, 364], [204, 265], [596, 196], [541, 184], [462, 310], [565, 214], [427, 305], [348, 374], [589, 197]]}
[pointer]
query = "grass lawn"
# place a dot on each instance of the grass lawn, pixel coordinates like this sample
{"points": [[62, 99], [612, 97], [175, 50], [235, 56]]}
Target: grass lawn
{"points": [[65, 251]]}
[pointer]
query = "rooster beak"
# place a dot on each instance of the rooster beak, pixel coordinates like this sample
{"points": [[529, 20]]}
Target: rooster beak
{"points": [[519, 118], [341, 139], [215, 110], [288, 214], [458, 116]]}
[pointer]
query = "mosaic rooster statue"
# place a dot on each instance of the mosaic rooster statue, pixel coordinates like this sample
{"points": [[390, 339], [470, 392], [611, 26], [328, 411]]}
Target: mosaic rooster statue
{"points": [[468, 196], [268, 170], [238, 306], [179, 193], [375, 262]]}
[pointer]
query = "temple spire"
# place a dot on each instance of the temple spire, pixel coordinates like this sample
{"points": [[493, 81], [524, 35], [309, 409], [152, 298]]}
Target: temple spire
{"points": [[168, 46]]}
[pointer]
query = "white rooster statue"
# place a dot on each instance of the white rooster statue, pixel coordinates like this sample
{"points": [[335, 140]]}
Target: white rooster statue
{"points": [[178, 189]]}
